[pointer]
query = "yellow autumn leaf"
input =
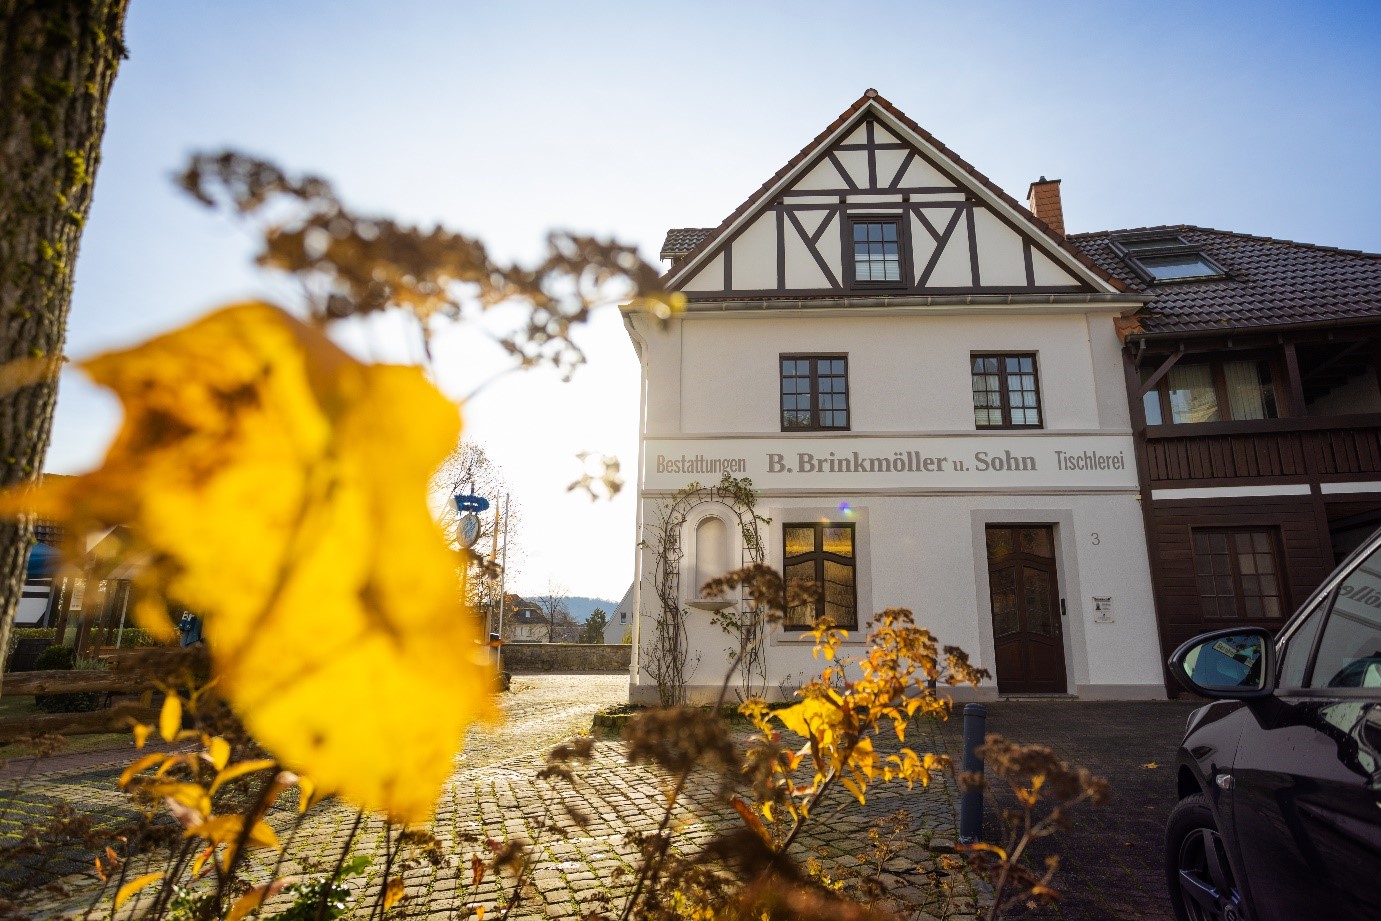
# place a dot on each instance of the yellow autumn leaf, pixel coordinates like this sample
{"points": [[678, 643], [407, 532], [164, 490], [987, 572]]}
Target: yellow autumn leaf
{"points": [[141, 734], [280, 488], [262, 834], [863, 759], [187, 794], [750, 819], [200, 861], [170, 718], [1150, 765], [240, 769], [308, 793], [393, 893], [133, 886], [811, 718], [217, 829], [142, 764], [219, 750], [257, 896]]}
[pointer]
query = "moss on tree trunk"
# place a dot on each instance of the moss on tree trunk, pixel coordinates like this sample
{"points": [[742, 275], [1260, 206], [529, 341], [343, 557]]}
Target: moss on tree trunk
{"points": [[58, 59]]}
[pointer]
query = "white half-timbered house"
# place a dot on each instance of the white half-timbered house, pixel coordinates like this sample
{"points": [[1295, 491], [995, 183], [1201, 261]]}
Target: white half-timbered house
{"points": [[923, 382]]}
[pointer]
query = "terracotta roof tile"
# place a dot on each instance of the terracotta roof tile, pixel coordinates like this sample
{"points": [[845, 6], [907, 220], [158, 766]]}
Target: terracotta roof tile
{"points": [[1270, 283], [681, 240]]}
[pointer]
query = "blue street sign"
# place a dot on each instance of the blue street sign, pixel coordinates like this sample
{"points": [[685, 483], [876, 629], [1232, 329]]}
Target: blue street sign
{"points": [[471, 503]]}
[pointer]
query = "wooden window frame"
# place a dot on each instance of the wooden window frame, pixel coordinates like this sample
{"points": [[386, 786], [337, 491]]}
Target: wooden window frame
{"points": [[903, 251], [1007, 424], [1273, 536], [1220, 388], [818, 557], [814, 358]]}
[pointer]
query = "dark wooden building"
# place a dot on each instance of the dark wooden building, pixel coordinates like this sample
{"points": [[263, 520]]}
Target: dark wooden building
{"points": [[1256, 412]]}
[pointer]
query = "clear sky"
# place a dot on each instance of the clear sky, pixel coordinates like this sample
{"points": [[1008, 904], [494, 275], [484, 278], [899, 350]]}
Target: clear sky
{"points": [[507, 119]]}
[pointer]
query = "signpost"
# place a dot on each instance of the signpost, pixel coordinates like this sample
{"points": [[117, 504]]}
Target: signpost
{"points": [[468, 531]]}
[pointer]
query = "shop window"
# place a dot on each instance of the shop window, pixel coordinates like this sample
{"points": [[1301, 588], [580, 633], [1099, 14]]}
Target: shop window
{"points": [[822, 553], [815, 392], [1214, 391], [877, 253], [1238, 573], [1006, 394]]}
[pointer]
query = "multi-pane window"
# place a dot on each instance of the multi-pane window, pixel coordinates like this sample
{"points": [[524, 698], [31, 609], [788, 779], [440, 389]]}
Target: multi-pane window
{"points": [[1213, 391], [877, 252], [822, 553], [815, 392], [1005, 392], [1238, 574]]}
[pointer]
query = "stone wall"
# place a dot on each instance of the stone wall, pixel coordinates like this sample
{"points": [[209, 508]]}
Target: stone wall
{"points": [[566, 657]]}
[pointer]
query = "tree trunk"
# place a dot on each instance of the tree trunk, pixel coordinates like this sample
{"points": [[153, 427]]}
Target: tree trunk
{"points": [[58, 59]]}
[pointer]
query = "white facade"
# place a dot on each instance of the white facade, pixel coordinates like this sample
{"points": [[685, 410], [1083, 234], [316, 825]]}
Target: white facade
{"points": [[913, 474], [620, 623]]}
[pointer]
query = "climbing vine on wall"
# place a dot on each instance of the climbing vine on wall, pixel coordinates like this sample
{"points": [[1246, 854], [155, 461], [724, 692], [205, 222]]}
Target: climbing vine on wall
{"points": [[667, 657]]}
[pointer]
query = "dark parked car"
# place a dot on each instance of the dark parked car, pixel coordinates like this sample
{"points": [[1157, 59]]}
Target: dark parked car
{"points": [[1280, 778]]}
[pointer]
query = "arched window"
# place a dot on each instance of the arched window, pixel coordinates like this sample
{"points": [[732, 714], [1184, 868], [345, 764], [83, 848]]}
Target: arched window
{"points": [[711, 552]]}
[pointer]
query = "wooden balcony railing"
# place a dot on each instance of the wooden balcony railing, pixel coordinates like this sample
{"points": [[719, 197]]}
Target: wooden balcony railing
{"points": [[1272, 450]]}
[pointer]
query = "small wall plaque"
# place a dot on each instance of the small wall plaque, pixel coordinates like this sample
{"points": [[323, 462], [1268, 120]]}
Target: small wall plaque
{"points": [[1102, 609]]}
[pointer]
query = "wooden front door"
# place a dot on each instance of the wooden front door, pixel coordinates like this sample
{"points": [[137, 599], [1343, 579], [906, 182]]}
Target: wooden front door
{"points": [[1025, 599]]}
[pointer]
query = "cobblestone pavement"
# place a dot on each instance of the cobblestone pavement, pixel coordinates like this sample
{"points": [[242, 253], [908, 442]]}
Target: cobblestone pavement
{"points": [[1111, 862], [495, 794]]}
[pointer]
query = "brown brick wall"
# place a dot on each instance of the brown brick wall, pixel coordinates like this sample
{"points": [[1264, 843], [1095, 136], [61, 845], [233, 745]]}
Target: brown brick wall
{"points": [[1045, 204]]}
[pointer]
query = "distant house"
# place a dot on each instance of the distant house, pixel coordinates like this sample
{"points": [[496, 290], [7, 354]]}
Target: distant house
{"points": [[620, 622], [524, 622]]}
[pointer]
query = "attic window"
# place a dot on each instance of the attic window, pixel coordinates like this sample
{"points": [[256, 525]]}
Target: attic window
{"points": [[1165, 257], [877, 252]]}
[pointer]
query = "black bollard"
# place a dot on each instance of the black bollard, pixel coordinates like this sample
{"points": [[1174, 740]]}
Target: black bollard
{"points": [[971, 805]]}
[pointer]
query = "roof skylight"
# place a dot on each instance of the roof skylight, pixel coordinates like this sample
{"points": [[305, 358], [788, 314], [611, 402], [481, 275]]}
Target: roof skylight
{"points": [[1165, 257]]}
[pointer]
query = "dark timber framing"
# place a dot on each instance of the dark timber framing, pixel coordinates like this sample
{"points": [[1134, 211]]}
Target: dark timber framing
{"points": [[1294, 463], [938, 209]]}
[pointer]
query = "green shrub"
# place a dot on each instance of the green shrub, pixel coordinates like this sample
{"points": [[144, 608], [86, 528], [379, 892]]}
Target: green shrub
{"points": [[27, 633], [64, 658], [56, 658]]}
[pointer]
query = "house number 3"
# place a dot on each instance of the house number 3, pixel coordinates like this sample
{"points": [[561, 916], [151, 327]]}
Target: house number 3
{"points": [[1094, 536]]}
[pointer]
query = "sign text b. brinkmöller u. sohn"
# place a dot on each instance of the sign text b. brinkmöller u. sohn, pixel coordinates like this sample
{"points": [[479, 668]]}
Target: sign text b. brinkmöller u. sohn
{"points": [[939, 462]]}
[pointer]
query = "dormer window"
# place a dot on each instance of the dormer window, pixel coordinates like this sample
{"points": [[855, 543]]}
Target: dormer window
{"points": [[1165, 257]]}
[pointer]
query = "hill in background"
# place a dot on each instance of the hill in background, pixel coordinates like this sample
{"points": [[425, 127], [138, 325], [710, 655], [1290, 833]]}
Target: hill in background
{"points": [[582, 607]]}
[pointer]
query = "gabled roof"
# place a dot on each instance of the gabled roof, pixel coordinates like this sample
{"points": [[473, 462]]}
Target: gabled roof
{"points": [[871, 99], [1270, 283]]}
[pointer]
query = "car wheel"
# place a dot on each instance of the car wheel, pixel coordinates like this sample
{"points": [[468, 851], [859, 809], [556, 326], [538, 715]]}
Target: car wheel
{"points": [[1202, 887]]}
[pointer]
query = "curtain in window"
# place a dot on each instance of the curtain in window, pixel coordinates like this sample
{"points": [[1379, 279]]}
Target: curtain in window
{"points": [[1192, 398], [1247, 390]]}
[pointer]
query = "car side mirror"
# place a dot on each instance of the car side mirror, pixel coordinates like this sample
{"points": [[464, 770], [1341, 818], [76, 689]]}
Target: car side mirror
{"points": [[1232, 664]]}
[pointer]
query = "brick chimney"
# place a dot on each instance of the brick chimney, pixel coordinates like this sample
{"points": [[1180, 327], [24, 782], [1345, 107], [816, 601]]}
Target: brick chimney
{"points": [[1043, 198]]}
